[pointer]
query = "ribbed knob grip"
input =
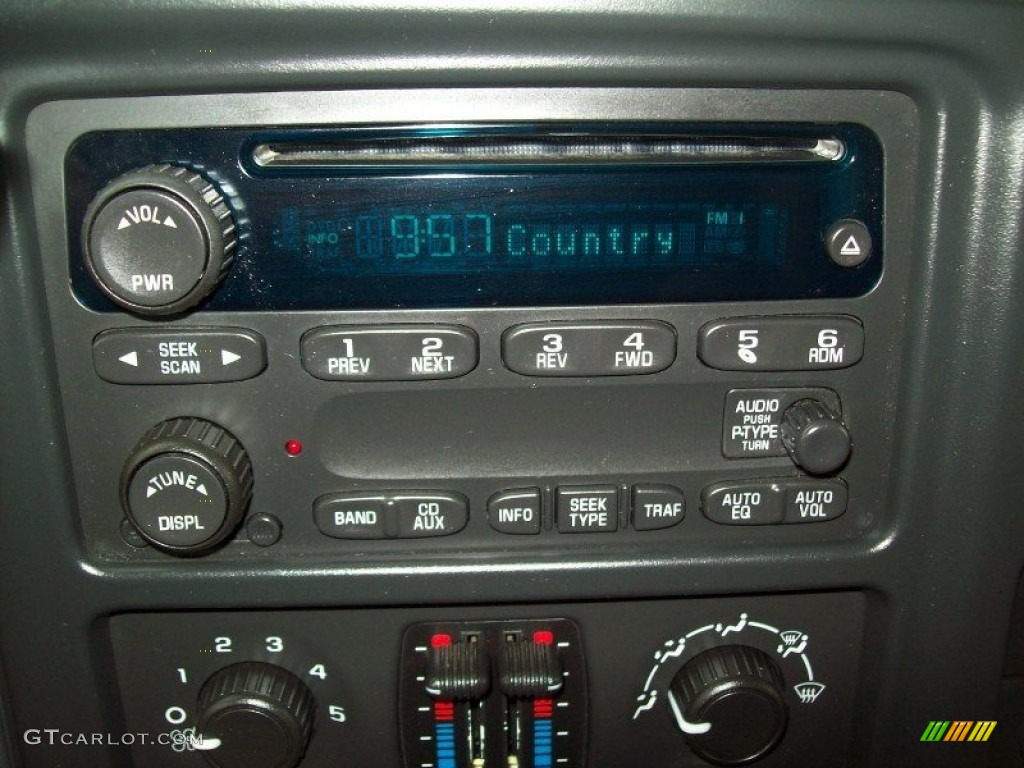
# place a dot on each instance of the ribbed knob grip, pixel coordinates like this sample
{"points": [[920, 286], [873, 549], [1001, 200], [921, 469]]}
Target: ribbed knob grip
{"points": [[158, 239], [729, 702], [458, 672], [530, 671], [261, 715], [187, 471]]}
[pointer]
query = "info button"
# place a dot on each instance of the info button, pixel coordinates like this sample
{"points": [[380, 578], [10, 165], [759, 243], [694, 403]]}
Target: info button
{"points": [[588, 509]]}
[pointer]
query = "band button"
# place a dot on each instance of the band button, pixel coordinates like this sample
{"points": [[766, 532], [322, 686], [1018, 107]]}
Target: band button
{"points": [[743, 503], [588, 509], [589, 349], [389, 352], [351, 516]]}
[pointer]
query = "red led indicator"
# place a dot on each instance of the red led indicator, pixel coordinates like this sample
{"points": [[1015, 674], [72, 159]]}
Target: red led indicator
{"points": [[293, 447], [439, 641], [544, 637], [444, 711], [543, 708]]}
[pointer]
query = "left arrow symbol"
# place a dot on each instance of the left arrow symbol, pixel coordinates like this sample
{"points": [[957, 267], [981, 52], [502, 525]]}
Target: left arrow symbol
{"points": [[132, 359]]}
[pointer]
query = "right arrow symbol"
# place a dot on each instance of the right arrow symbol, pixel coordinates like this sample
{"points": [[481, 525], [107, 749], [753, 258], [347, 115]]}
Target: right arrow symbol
{"points": [[227, 358]]}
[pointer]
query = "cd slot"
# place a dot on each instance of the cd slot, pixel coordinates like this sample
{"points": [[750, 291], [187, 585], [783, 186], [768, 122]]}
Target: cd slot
{"points": [[539, 149]]}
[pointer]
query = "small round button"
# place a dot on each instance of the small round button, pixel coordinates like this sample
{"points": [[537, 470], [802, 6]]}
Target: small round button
{"points": [[158, 240], [848, 243]]}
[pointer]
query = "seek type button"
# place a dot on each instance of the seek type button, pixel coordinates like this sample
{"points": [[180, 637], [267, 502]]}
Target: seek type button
{"points": [[588, 509], [657, 506], [744, 503]]}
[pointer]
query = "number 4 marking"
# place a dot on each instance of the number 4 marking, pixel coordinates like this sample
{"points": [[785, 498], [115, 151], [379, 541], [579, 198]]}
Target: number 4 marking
{"points": [[319, 670], [635, 340]]}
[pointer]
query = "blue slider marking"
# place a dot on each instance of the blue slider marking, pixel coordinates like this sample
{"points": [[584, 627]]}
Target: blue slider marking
{"points": [[445, 739]]}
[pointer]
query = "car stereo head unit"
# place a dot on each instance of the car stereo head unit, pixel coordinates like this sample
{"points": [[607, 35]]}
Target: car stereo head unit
{"points": [[474, 215]]}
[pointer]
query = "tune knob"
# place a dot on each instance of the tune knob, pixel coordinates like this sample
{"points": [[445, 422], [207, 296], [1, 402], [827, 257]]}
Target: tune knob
{"points": [[255, 715], [729, 703], [186, 485], [815, 437], [158, 240]]}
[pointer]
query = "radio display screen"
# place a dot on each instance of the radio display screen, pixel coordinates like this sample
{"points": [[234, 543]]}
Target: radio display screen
{"points": [[484, 235]]}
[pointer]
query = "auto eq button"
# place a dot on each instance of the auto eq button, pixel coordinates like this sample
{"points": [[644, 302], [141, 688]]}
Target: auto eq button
{"points": [[744, 503]]}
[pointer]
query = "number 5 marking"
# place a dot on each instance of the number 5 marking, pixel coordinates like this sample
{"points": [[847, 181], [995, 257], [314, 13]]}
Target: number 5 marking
{"points": [[748, 342]]}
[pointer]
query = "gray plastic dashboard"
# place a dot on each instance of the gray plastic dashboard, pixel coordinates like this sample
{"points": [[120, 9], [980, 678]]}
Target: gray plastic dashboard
{"points": [[908, 599]]}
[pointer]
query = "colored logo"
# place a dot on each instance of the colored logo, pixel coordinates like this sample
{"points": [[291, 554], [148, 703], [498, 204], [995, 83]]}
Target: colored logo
{"points": [[958, 730]]}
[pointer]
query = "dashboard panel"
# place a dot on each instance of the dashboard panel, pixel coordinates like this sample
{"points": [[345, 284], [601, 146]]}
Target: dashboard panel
{"points": [[555, 384]]}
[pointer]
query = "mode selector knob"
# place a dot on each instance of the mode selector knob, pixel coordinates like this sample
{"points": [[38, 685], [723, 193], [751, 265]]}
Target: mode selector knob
{"points": [[159, 239], [186, 485], [815, 437], [729, 704], [255, 715]]}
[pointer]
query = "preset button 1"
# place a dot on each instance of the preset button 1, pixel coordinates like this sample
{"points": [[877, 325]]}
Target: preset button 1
{"points": [[389, 352], [589, 349]]}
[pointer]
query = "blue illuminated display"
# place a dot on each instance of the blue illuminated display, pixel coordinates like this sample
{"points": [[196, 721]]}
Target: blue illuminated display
{"points": [[512, 237], [559, 238]]}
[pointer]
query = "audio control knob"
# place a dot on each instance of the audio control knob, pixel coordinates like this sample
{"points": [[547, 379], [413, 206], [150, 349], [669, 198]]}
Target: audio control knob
{"points": [[158, 240], [186, 485], [815, 437], [729, 704], [255, 715]]}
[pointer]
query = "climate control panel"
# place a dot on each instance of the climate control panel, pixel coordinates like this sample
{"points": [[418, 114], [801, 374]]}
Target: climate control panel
{"points": [[712, 681]]}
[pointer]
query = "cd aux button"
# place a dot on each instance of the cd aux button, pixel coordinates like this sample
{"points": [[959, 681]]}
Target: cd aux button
{"points": [[430, 514], [589, 349], [389, 352], [792, 343]]}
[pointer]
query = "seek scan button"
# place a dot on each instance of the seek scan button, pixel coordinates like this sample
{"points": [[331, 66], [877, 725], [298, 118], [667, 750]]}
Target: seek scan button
{"points": [[657, 506], [516, 511], [588, 509]]}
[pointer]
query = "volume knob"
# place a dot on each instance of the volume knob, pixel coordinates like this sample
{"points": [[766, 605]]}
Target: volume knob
{"points": [[158, 240], [186, 485], [255, 715]]}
